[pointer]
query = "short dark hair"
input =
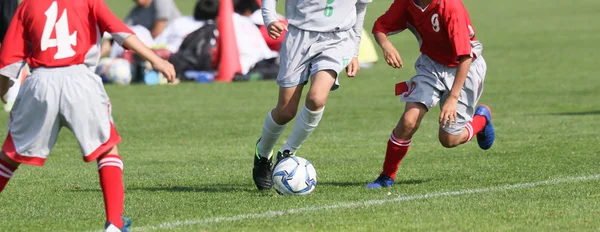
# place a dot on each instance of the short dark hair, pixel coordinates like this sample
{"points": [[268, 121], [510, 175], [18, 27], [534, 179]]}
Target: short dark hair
{"points": [[243, 5], [209, 9], [206, 9]]}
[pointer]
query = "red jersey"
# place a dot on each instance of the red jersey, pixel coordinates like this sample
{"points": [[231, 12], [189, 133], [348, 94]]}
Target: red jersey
{"points": [[55, 33], [443, 28]]}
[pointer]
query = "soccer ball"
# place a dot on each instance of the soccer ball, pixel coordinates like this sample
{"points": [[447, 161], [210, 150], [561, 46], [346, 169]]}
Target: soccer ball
{"points": [[294, 176], [119, 71]]}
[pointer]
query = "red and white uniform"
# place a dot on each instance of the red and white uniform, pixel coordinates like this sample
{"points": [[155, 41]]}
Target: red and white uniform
{"points": [[60, 41], [445, 34], [56, 33], [443, 28]]}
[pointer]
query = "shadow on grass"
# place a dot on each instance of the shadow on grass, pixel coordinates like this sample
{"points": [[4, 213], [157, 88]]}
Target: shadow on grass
{"points": [[217, 188], [354, 184], [576, 113], [178, 188]]}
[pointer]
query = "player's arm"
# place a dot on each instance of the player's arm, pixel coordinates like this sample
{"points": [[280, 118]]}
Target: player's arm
{"points": [[12, 58], [269, 14], [134, 43], [391, 22], [455, 17], [361, 10]]}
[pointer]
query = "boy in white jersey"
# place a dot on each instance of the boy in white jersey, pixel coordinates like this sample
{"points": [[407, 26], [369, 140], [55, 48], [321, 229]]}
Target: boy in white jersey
{"points": [[322, 39]]}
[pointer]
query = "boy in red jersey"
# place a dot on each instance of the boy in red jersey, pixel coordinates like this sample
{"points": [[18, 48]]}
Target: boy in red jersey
{"points": [[450, 71], [60, 41]]}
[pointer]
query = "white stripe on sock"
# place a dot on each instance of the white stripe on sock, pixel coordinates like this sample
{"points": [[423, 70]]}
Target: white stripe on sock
{"points": [[402, 143], [110, 161], [469, 131], [111, 164], [5, 169], [6, 175]]}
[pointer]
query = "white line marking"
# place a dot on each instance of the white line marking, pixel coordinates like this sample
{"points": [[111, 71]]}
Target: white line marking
{"points": [[271, 214]]}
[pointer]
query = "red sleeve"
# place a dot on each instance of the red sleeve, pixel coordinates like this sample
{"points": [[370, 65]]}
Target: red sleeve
{"points": [[107, 21], [393, 20], [14, 48], [458, 23]]}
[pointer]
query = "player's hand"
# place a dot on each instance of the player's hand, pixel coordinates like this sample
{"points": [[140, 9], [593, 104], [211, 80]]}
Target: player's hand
{"points": [[276, 28], [391, 55], [4, 86], [166, 68], [448, 114], [353, 67]]}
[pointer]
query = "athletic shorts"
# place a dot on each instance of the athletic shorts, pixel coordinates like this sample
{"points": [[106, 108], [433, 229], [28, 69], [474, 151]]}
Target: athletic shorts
{"points": [[433, 83], [304, 53], [51, 98]]}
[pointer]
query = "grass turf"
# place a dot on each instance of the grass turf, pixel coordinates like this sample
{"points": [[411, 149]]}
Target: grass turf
{"points": [[188, 148]]}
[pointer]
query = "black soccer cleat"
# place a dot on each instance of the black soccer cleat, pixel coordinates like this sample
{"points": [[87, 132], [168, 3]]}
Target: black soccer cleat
{"points": [[261, 173], [282, 155]]}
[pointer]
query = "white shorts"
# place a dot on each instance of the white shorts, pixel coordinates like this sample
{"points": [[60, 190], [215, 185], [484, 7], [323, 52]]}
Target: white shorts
{"points": [[433, 83], [51, 98], [304, 53]]}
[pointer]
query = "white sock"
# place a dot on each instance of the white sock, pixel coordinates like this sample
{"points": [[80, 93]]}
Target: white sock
{"points": [[306, 122], [270, 133]]}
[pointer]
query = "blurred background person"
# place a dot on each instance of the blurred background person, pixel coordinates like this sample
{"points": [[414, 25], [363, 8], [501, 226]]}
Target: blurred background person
{"points": [[154, 15]]}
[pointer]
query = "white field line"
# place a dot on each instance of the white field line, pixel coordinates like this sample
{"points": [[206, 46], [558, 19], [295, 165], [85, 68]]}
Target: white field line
{"points": [[346, 205]]}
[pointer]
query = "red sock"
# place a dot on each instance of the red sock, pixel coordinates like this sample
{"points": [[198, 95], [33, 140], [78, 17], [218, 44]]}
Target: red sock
{"points": [[110, 168], [6, 172], [475, 126], [396, 150]]}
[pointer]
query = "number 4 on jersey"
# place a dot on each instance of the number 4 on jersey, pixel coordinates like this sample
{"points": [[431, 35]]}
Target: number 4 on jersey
{"points": [[63, 40]]}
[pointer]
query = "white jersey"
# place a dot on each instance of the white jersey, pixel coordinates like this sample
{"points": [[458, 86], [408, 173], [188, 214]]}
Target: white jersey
{"points": [[317, 15]]}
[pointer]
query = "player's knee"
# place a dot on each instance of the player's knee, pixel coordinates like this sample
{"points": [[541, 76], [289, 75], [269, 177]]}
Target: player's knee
{"points": [[407, 127], [448, 141], [315, 103]]}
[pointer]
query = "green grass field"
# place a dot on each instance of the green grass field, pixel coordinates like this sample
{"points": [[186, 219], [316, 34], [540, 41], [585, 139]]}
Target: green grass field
{"points": [[188, 148]]}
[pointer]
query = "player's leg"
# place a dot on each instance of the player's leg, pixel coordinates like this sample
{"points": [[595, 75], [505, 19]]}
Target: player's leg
{"points": [[33, 126], [277, 119], [110, 170], [7, 168], [471, 121], [293, 74], [399, 142], [273, 126], [420, 94], [330, 55], [311, 112], [85, 109]]}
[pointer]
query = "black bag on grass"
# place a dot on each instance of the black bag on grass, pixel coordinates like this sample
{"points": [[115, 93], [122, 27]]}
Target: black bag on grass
{"points": [[196, 50]]}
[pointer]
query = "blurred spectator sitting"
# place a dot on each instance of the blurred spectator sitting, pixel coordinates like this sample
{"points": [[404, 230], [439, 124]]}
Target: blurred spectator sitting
{"points": [[250, 42], [154, 15]]}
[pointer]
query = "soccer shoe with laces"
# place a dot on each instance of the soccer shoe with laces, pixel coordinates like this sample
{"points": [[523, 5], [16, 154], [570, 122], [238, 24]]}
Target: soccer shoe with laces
{"points": [[382, 181], [109, 227], [485, 138], [282, 155], [261, 173]]}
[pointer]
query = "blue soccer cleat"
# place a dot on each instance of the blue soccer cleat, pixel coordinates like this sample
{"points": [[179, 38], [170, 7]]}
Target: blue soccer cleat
{"points": [[485, 138], [109, 227], [382, 181]]}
